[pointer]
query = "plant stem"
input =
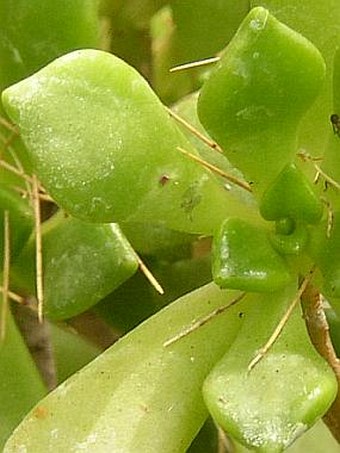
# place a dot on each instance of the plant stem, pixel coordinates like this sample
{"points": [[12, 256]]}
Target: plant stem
{"points": [[318, 330]]}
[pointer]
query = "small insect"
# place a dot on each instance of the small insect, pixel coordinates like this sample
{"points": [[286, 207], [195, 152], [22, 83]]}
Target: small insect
{"points": [[164, 179], [335, 120]]}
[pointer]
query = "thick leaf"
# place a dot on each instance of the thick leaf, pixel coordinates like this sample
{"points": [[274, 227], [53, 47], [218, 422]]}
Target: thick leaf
{"points": [[319, 22], [292, 241], [105, 148], [253, 101], [147, 396], [82, 263], [268, 407], [291, 196], [317, 440], [244, 259]]}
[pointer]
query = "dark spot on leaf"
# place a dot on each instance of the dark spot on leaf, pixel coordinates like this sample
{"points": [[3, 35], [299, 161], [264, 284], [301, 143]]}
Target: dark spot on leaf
{"points": [[164, 179], [40, 412], [191, 199], [335, 120]]}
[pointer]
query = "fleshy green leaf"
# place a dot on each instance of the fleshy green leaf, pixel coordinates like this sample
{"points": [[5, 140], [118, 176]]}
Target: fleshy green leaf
{"points": [[268, 407], [320, 23], [291, 196], [83, 263], [105, 148], [243, 258], [147, 396], [253, 101], [293, 242]]}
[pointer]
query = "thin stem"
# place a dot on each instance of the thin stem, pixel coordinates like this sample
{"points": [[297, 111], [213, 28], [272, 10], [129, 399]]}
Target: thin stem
{"points": [[279, 328], [14, 296], [330, 216], [6, 271], [317, 326], [195, 64], [38, 247], [204, 320], [42, 196], [224, 443], [148, 274], [319, 172], [14, 170], [21, 169], [326, 177], [211, 143], [216, 170], [7, 141], [9, 125]]}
